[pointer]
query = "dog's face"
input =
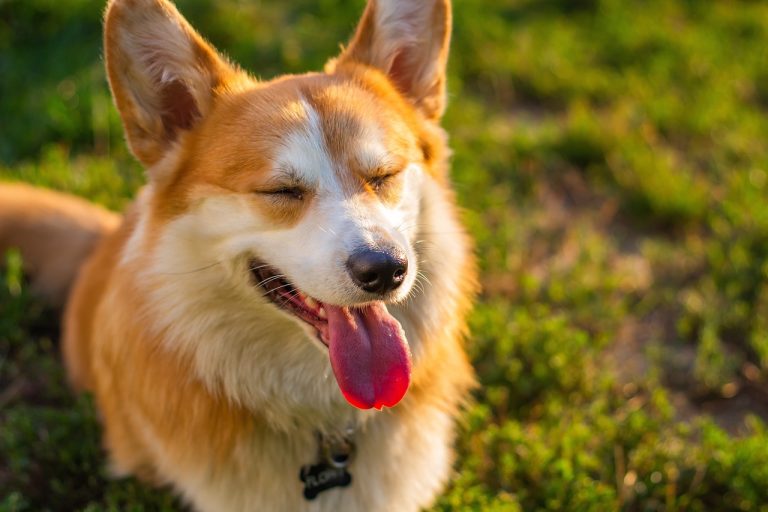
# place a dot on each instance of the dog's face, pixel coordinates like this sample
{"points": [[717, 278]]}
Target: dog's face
{"points": [[320, 180], [307, 187]]}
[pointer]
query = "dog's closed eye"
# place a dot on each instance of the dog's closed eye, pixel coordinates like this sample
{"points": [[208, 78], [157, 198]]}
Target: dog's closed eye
{"points": [[377, 183], [292, 193]]}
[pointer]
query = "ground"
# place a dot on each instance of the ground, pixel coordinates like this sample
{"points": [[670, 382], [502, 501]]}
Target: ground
{"points": [[611, 161]]}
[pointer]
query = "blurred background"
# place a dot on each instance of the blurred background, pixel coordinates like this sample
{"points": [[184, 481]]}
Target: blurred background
{"points": [[611, 158]]}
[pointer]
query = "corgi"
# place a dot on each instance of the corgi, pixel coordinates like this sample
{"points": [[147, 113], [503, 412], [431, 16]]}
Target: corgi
{"points": [[277, 321]]}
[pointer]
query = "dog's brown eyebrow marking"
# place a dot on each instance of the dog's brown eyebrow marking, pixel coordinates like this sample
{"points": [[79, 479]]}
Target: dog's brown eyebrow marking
{"points": [[384, 165], [286, 175]]}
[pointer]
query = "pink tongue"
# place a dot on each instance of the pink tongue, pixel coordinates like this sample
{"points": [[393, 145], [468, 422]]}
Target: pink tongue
{"points": [[369, 355]]}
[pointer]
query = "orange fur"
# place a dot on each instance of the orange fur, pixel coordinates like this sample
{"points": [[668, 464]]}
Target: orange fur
{"points": [[140, 331], [43, 224]]}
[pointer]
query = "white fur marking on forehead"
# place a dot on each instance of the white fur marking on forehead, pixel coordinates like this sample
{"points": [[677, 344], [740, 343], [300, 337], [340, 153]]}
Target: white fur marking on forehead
{"points": [[371, 151], [304, 151]]}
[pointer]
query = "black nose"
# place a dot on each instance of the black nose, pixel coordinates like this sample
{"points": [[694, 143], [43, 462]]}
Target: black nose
{"points": [[377, 271]]}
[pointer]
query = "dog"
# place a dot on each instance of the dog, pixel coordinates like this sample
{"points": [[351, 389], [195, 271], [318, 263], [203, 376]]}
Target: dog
{"points": [[277, 321]]}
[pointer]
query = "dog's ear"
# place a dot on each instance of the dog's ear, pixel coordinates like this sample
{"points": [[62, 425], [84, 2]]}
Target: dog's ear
{"points": [[408, 40], [163, 75]]}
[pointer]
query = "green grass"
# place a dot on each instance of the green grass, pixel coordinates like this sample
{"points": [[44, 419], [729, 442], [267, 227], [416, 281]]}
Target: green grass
{"points": [[611, 156]]}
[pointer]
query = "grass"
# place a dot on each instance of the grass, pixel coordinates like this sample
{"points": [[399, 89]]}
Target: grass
{"points": [[611, 159]]}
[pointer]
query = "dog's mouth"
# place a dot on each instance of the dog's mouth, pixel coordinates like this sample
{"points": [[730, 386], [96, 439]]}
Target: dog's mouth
{"points": [[287, 297], [369, 354]]}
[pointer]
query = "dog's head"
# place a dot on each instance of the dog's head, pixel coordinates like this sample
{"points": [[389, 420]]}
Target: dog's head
{"points": [[306, 187]]}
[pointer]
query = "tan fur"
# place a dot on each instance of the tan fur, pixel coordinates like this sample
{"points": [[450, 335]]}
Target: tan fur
{"points": [[54, 233], [200, 384]]}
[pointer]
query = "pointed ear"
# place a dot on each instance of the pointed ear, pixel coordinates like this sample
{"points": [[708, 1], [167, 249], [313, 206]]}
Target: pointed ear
{"points": [[408, 40], [163, 75]]}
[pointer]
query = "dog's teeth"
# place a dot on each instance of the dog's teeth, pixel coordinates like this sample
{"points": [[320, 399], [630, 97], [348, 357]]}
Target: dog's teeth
{"points": [[322, 314], [311, 302]]}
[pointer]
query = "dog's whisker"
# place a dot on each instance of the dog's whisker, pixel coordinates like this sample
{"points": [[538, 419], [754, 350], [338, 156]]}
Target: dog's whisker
{"points": [[270, 279], [283, 299], [423, 276], [206, 267], [286, 285], [288, 298]]}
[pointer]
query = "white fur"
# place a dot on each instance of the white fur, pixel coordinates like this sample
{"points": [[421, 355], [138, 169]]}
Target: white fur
{"points": [[304, 151], [421, 458]]}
